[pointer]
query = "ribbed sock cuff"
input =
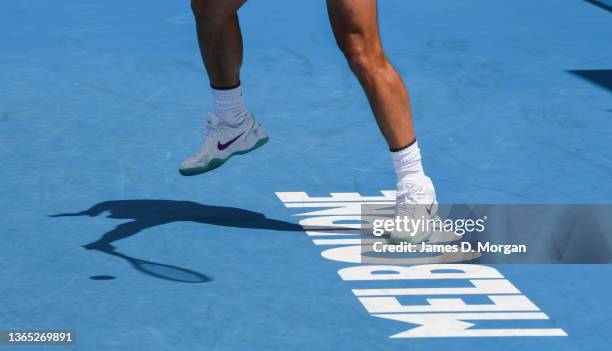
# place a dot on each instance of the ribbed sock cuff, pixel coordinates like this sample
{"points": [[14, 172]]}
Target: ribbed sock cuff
{"points": [[229, 105], [407, 163]]}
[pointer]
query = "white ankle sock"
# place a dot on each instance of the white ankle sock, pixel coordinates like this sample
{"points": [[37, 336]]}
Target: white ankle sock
{"points": [[229, 105], [407, 164]]}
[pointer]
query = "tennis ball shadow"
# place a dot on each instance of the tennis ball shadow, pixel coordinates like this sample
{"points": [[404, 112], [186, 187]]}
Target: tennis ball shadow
{"points": [[102, 277]]}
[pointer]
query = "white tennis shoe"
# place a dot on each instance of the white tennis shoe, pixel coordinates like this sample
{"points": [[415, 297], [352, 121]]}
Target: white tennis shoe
{"points": [[221, 142], [416, 201]]}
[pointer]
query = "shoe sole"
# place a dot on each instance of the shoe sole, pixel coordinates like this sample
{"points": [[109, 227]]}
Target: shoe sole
{"points": [[217, 162]]}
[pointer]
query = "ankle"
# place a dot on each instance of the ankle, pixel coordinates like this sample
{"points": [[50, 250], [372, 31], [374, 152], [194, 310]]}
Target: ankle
{"points": [[229, 105]]}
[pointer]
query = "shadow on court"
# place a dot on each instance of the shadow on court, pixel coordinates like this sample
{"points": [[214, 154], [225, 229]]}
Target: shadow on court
{"points": [[599, 77], [145, 214], [604, 4]]}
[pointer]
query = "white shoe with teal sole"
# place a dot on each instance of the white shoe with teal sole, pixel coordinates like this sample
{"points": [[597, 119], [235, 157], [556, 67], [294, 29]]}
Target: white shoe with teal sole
{"points": [[416, 201], [221, 142]]}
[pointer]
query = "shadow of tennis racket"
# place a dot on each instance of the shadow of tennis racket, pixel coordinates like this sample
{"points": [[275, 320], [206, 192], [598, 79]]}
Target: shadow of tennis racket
{"points": [[163, 271]]}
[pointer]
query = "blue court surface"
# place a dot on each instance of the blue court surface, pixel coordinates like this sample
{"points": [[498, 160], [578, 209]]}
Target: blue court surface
{"points": [[101, 100]]}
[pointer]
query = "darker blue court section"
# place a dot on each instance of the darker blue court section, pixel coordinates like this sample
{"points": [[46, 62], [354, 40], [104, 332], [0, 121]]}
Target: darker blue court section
{"points": [[101, 100]]}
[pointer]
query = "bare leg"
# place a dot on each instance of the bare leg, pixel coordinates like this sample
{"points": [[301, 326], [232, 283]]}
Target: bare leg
{"points": [[220, 39], [231, 130], [355, 25]]}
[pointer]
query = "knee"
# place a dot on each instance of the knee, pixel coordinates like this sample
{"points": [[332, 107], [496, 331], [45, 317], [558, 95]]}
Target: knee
{"points": [[362, 58]]}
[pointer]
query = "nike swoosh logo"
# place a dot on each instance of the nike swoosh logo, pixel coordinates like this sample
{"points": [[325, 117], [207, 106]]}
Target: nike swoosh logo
{"points": [[224, 146], [429, 209]]}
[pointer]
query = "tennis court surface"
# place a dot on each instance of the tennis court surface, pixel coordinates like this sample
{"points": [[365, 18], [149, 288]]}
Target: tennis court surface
{"points": [[101, 100]]}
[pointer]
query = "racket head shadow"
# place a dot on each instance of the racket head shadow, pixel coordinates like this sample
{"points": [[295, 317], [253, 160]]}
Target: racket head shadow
{"points": [[169, 272], [163, 271]]}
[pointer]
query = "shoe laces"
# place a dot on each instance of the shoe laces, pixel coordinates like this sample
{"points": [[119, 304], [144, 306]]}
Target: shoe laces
{"points": [[411, 197], [213, 132], [411, 194], [212, 125]]}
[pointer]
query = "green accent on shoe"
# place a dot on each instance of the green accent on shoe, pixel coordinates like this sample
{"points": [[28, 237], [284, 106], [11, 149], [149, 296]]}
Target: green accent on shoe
{"points": [[217, 162], [398, 241]]}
